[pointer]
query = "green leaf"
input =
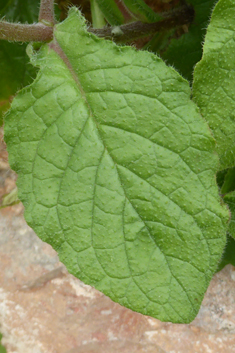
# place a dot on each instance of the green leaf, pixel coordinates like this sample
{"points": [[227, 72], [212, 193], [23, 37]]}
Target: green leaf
{"points": [[117, 172], [10, 199], [184, 52], [111, 12], [141, 11], [20, 10], [230, 200], [228, 255], [24, 11], [220, 176], [214, 81], [2, 349], [15, 70], [229, 181], [98, 20]]}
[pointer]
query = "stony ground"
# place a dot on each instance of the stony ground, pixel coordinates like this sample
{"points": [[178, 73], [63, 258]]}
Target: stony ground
{"points": [[43, 309]]}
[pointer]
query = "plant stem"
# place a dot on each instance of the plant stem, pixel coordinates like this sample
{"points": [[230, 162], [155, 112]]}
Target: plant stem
{"points": [[98, 20], [25, 33], [129, 32], [43, 33], [46, 12]]}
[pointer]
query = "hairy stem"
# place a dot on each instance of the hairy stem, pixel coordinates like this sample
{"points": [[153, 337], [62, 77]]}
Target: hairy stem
{"points": [[43, 33], [135, 30], [25, 33], [46, 12]]}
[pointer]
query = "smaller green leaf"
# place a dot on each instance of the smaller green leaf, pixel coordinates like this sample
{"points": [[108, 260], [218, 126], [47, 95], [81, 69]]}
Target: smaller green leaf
{"points": [[20, 10], [111, 12], [98, 20], [214, 81], [185, 51], [10, 199], [2, 349], [228, 255], [227, 177], [141, 11], [159, 41], [230, 200], [15, 69], [220, 176], [229, 181]]}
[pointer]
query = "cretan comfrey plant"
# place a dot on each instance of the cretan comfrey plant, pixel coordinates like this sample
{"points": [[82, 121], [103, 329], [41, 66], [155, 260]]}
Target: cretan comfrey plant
{"points": [[125, 154]]}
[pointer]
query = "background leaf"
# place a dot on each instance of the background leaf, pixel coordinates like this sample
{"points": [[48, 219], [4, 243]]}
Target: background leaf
{"points": [[10, 199], [230, 200], [229, 181], [2, 349], [186, 50], [141, 11], [117, 171], [124, 11], [214, 81], [15, 69], [226, 182], [220, 176], [228, 255], [20, 10], [111, 12]]}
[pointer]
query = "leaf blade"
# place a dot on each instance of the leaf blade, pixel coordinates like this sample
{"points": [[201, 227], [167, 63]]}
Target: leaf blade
{"points": [[120, 187]]}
